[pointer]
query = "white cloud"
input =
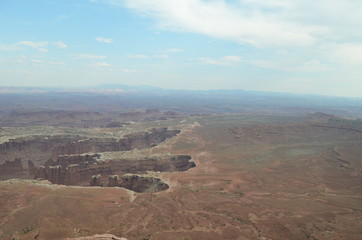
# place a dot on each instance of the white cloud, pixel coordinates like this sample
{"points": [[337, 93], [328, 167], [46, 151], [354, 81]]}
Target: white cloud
{"points": [[312, 66], [164, 56], [232, 58], [140, 56], [102, 64], [33, 44], [42, 50], [213, 62], [223, 61], [21, 59], [316, 34], [36, 61], [349, 53], [175, 50], [143, 56], [9, 47], [60, 44], [291, 66], [104, 40], [256, 22], [128, 70], [56, 63], [40, 46], [89, 56], [242, 22]]}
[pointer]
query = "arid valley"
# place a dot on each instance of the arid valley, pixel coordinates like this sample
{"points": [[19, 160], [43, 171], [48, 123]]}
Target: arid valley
{"points": [[160, 174], [180, 120]]}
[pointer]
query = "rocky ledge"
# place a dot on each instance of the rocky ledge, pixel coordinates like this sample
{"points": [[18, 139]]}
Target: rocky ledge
{"points": [[63, 160], [132, 182], [98, 237]]}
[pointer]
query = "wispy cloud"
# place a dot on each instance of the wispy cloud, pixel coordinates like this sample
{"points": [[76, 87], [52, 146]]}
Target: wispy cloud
{"points": [[325, 30], [56, 63], [243, 21], [90, 56], [213, 61], [139, 56], [104, 40], [232, 58], [60, 45], [9, 47], [223, 61], [33, 44], [40, 46], [102, 64], [174, 50], [349, 53], [42, 50], [21, 59], [307, 66], [164, 56], [143, 56], [126, 70], [36, 61], [256, 22], [282, 65]]}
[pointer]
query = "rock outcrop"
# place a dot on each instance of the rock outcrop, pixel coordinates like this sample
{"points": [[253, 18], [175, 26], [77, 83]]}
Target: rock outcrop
{"points": [[98, 237], [143, 184], [40, 149], [113, 181], [79, 119], [62, 160], [135, 183], [96, 181], [85, 170], [11, 169]]}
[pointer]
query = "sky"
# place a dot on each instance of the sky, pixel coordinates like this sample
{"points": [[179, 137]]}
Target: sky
{"points": [[297, 46]]}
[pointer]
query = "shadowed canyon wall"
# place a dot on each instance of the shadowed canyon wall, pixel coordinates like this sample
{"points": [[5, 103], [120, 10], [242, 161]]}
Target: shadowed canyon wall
{"points": [[62, 160]]}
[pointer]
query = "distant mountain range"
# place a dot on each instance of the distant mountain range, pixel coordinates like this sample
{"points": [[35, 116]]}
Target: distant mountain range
{"points": [[188, 101], [117, 88], [107, 88]]}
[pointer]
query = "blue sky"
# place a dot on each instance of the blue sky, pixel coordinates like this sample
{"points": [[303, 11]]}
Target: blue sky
{"points": [[269, 45]]}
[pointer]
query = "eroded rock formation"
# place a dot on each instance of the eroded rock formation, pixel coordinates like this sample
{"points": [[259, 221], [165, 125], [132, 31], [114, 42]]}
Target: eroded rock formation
{"points": [[293, 132], [62, 160], [143, 184], [43, 148], [85, 170], [135, 183], [11, 169], [40, 149], [98, 237], [113, 181], [96, 181], [83, 119]]}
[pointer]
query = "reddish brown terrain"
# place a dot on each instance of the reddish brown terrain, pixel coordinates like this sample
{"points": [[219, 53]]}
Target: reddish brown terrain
{"points": [[217, 176]]}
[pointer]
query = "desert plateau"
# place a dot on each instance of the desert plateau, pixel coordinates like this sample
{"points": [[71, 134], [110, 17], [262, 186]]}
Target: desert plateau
{"points": [[180, 120], [161, 174]]}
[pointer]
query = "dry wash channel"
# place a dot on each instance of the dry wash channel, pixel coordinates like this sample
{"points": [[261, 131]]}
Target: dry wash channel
{"points": [[74, 160]]}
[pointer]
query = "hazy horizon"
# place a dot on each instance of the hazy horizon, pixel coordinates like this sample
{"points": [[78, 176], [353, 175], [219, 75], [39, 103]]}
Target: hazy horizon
{"points": [[274, 46], [113, 88]]}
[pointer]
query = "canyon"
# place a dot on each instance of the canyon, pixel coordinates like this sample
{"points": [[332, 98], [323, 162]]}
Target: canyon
{"points": [[64, 160], [162, 174]]}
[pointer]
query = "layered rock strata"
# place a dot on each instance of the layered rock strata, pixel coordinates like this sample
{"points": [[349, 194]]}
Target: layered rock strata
{"points": [[39, 150], [85, 170], [62, 160]]}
